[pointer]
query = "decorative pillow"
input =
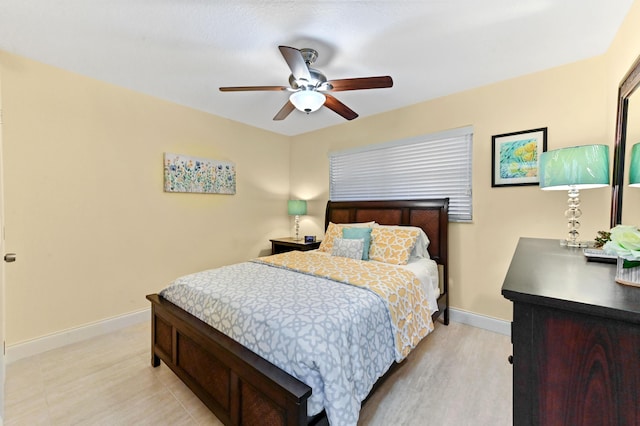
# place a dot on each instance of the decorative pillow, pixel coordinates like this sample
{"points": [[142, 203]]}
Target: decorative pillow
{"points": [[356, 234], [392, 245], [334, 230], [348, 248], [422, 244]]}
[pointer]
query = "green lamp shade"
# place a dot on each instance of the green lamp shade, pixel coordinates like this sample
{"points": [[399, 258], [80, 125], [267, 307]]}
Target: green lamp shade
{"points": [[297, 207], [580, 167], [634, 166]]}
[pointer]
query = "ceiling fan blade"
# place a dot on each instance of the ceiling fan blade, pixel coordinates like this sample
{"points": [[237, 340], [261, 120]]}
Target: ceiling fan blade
{"points": [[284, 111], [338, 107], [252, 88], [296, 62], [361, 83]]}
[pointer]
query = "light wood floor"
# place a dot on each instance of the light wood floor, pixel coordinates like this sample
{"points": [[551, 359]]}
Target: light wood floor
{"points": [[459, 375]]}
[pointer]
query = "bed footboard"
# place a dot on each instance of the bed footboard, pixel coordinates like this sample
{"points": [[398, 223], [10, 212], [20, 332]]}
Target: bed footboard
{"points": [[240, 387]]}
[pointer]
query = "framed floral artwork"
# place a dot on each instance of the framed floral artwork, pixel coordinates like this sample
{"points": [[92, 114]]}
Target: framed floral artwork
{"points": [[191, 174], [516, 157]]}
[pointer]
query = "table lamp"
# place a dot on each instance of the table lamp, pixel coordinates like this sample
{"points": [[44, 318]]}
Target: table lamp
{"points": [[297, 208], [572, 169], [634, 166]]}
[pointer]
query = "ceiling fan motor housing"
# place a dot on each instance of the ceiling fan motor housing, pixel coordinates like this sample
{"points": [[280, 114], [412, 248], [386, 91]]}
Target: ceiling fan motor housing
{"points": [[317, 79]]}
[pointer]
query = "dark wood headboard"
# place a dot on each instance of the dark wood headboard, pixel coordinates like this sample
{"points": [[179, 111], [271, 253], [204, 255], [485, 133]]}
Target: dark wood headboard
{"points": [[430, 215]]}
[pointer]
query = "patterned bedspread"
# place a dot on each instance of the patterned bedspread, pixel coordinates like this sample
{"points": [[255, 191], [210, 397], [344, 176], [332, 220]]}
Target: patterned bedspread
{"points": [[336, 338], [399, 289]]}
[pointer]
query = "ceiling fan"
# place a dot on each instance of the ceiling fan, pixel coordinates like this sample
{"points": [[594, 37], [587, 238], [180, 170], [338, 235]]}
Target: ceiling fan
{"points": [[310, 87]]}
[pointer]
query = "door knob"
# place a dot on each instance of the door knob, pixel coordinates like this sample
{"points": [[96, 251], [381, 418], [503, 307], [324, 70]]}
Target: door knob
{"points": [[10, 257]]}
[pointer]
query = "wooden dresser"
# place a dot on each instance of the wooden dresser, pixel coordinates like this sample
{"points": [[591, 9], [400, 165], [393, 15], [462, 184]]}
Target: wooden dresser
{"points": [[576, 339]]}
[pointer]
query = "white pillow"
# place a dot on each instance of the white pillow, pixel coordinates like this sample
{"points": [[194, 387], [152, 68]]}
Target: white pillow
{"points": [[348, 248], [420, 249]]}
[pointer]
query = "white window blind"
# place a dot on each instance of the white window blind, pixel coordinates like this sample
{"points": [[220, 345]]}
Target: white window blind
{"points": [[430, 166]]}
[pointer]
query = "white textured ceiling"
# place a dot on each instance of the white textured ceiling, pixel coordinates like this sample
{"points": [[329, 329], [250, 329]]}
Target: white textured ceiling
{"points": [[183, 50]]}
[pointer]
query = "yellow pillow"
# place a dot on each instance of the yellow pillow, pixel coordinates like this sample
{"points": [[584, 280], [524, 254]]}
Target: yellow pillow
{"points": [[392, 245], [334, 230]]}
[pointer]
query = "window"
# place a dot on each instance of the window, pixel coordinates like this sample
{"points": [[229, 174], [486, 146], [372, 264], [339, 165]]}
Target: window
{"points": [[430, 166]]}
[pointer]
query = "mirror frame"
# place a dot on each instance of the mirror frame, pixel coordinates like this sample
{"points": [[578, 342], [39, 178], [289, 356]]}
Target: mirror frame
{"points": [[629, 84]]}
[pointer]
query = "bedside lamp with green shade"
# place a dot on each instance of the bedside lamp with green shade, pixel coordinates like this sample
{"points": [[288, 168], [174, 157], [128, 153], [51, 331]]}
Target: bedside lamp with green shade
{"points": [[297, 208], [634, 166], [572, 169]]}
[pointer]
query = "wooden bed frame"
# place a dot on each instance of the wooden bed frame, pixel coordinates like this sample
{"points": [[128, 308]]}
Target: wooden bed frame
{"points": [[242, 388]]}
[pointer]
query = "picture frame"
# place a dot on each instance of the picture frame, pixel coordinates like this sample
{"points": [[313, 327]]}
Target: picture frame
{"points": [[183, 173], [515, 157]]}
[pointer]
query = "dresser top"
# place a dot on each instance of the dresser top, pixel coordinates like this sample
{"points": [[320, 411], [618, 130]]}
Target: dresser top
{"points": [[543, 272]]}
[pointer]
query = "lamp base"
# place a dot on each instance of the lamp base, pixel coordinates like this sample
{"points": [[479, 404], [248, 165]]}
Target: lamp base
{"points": [[572, 243], [572, 214], [297, 238]]}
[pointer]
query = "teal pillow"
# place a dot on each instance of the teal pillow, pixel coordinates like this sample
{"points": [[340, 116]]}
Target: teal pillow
{"points": [[357, 234]]}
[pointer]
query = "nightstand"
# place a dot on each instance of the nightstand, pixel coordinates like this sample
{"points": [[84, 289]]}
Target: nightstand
{"points": [[281, 245]]}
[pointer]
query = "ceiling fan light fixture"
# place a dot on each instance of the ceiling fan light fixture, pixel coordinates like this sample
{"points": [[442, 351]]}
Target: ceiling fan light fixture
{"points": [[307, 86], [307, 100]]}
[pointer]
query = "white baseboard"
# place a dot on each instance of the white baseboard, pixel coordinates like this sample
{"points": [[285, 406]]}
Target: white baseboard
{"points": [[63, 338], [66, 337], [480, 321]]}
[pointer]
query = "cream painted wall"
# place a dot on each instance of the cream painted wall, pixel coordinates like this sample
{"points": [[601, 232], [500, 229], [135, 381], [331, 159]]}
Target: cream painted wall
{"points": [[577, 103], [94, 231], [564, 99], [85, 207]]}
